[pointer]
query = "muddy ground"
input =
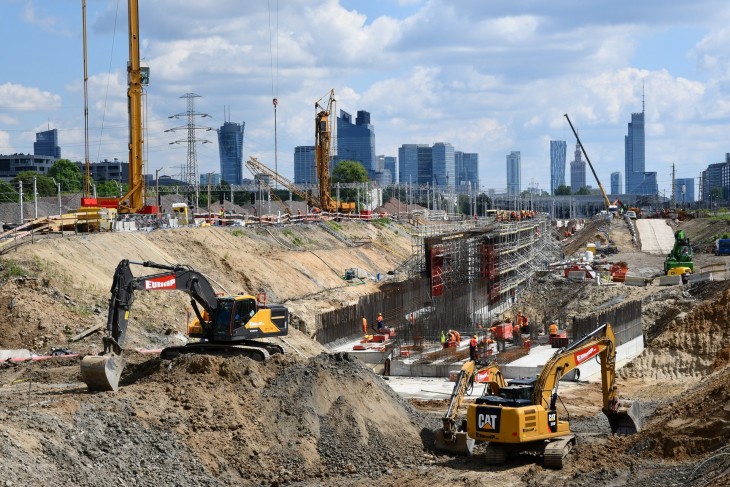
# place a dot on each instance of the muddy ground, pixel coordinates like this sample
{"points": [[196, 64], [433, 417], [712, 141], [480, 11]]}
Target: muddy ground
{"points": [[312, 418]]}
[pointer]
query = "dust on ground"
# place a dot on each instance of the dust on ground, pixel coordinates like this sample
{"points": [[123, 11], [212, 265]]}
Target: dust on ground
{"points": [[319, 419]]}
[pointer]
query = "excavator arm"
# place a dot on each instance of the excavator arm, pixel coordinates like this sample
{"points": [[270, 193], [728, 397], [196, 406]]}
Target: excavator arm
{"points": [[449, 438], [623, 415], [102, 373], [176, 277]]}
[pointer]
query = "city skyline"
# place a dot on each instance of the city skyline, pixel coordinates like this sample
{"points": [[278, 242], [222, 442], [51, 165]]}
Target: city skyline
{"points": [[426, 70]]}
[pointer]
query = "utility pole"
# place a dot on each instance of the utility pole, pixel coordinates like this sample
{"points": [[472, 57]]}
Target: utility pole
{"points": [[190, 173], [674, 203]]}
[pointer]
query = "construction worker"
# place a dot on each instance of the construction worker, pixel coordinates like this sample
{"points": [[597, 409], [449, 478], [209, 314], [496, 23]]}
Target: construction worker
{"points": [[516, 333], [473, 348], [364, 325], [553, 331], [443, 339], [380, 322]]}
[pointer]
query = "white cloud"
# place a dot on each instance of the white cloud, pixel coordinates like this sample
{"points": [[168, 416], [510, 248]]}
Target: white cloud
{"points": [[18, 97]]}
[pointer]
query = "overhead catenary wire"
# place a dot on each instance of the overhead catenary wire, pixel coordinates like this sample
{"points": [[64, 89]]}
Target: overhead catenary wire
{"points": [[274, 83]]}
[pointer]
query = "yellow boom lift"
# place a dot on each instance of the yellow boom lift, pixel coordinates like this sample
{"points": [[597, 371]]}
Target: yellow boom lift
{"points": [[523, 416]]}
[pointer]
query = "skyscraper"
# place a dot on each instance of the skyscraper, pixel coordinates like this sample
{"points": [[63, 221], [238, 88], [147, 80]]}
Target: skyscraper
{"points": [[616, 182], [471, 168], [442, 157], [46, 144], [684, 190], [514, 173], [577, 171], [558, 150], [408, 163], [391, 164], [356, 142], [635, 152], [230, 149], [305, 171]]}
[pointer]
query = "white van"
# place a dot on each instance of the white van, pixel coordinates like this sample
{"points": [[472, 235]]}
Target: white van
{"points": [[631, 214]]}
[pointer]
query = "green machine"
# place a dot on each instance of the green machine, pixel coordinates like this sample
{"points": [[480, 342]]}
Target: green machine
{"points": [[679, 260]]}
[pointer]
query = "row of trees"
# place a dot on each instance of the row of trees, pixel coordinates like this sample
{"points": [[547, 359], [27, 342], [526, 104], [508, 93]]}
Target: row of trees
{"points": [[65, 172], [564, 190]]}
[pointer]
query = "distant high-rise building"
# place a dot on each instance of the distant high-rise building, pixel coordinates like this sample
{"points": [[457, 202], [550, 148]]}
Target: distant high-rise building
{"points": [[230, 149], [213, 178], [459, 167], [442, 157], [715, 182], [356, 142], [390, 163], [408, 163], [577, 171], [638, 181], [684, 190], [471, 169], [46, 144], [425, 167], [514, 173], [305, 168], [558, 150], [616, 182]]}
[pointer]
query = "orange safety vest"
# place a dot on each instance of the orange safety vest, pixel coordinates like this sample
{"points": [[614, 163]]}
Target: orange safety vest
{"points": [[473, 343], [553, 329]]}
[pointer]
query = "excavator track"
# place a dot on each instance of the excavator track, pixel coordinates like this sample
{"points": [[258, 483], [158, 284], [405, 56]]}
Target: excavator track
{"points": [[495, 454], [253, 352], [556, 450]]}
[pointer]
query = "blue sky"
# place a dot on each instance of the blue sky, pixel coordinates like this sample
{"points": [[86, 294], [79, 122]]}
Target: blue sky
{"points": [[488, 76]]}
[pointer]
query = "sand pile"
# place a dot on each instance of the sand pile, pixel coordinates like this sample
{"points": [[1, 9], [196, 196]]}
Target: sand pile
{"points": [[689, 344]]}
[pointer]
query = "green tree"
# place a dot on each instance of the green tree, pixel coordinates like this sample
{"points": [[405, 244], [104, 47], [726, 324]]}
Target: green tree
{"points": [[68, 174], [44, 184], [107, 189], [562, 190], [349, 172], [8, 193], [716, 193], [583, 191]]}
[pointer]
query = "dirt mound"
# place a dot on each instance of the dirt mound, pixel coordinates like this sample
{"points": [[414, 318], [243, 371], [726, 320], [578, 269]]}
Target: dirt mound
{"points": [[203, 420], [689, 344], [699, 422]]}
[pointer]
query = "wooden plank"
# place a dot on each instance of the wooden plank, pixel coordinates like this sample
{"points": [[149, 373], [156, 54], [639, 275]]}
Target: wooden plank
{"points": [[86, 332]]}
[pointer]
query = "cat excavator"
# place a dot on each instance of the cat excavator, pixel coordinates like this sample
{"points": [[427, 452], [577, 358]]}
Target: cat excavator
{"points": [[452, 437], [523, 417], [226, 325]]}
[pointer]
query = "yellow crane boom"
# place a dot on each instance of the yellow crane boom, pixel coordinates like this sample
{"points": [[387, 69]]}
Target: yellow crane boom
{"points": [[600, 186]]}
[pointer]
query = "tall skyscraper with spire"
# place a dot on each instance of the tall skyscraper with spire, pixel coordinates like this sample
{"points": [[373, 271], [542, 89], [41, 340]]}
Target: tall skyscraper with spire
{"points": [[638, 181], [577, 171]]}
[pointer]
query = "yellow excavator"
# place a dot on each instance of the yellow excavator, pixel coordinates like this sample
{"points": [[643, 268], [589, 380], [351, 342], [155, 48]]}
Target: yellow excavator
{"points": [[523, 416], [452, 437], [226, 325]]}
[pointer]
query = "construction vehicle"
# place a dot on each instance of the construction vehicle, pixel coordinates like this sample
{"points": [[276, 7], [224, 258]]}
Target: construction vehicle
{"points": [[722, 246], [524, 417], [679, 259], [609, 208], [323, 154], [226, 325], [133, 201], [453, 438]]}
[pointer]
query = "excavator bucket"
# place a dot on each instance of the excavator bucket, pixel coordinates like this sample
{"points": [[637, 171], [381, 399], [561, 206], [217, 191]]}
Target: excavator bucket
{"points": [[102, 373], [459, 443], [626, 418]]}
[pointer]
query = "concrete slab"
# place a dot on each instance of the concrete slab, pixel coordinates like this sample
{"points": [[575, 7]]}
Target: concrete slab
{"points": [[670, 280], [635, 281], [656, 236], [20, 353], [700, 277], [576, 275]]}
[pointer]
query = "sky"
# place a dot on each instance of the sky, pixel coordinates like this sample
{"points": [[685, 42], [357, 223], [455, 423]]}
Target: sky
{"points": [[487, 76]]}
